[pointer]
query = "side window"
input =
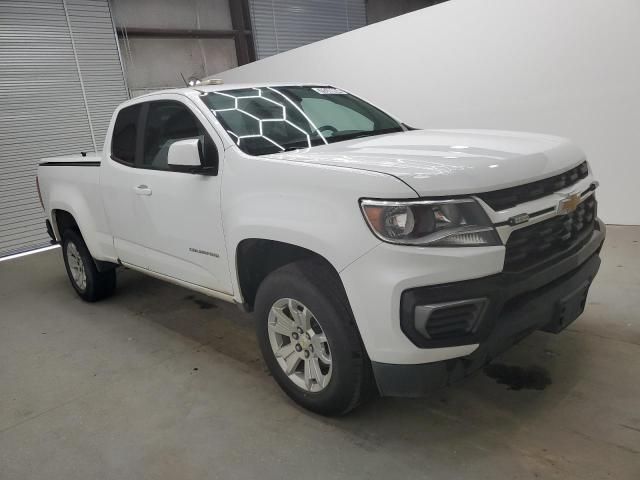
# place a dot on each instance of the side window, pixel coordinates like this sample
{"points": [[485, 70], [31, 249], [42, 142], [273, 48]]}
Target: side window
{"points": [[170, 121], [123, 143]]}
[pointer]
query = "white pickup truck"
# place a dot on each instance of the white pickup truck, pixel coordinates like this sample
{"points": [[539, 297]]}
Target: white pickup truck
{"points": [[376, 257]]}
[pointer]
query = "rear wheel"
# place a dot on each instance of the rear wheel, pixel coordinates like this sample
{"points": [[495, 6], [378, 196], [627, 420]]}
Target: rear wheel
{"points": [[90, 284], [309, 340]]}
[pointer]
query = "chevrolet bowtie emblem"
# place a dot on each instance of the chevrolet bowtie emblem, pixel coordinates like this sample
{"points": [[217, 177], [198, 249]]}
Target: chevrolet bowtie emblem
{"points": [[569, 204]]}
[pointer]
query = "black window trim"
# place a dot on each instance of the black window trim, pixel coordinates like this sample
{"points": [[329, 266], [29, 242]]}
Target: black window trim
{"points": [[142, 122]]}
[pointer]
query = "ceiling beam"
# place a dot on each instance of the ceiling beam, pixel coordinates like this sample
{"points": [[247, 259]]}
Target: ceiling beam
{"points": [[180, 33]]}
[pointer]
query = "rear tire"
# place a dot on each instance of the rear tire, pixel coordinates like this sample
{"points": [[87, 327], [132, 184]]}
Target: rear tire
{"points": [[90, 284], [335, 376]]}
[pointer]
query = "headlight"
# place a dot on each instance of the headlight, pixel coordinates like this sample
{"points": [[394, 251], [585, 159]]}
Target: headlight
{"points": [[436, 223]]}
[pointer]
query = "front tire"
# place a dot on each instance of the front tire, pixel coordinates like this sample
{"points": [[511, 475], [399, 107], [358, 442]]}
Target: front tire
{"points": [[90, 284], [309, 339]]}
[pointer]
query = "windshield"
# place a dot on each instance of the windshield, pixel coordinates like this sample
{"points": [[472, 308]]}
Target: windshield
{"points": [[274, 119]]}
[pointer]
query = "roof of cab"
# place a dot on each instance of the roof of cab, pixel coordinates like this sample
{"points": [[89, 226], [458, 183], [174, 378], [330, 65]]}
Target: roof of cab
{"points": [[227, 86]]}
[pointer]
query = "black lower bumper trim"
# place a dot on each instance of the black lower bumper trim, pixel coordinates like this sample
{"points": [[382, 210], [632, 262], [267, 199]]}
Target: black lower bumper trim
{"points": [[548, 299], [504, 291]]}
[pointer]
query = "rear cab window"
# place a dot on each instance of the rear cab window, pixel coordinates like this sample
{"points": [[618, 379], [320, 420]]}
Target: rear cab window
{"points": [[125, 133]]}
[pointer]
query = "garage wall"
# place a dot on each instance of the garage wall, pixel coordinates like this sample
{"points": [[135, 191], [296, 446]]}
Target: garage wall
{"points": [[282, 25], [379, 10], [61, 78], [569, 68], [175, 41]]}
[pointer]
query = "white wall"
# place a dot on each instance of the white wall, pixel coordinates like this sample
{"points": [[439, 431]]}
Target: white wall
{"points": [[569, 67]]}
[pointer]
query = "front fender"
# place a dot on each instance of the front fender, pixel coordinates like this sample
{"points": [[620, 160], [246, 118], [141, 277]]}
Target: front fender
{"points": [[311, 206]]}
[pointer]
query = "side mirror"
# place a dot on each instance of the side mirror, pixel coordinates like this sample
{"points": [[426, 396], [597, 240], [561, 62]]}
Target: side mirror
{"points": [[184, 155]]}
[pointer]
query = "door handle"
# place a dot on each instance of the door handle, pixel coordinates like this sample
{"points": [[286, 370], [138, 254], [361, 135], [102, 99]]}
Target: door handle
{"points": [[142, 190]]}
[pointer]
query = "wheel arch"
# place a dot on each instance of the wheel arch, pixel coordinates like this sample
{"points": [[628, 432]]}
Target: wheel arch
{"points": [[256, 258], [62, 220], [74, 213]]}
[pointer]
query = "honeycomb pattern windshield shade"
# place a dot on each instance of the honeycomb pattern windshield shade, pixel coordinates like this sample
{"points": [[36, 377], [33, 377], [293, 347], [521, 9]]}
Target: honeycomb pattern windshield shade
{"points": [[266, 120]]}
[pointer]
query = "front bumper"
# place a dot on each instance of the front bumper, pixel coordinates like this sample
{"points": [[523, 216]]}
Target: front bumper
{"points": [[549, 298]]}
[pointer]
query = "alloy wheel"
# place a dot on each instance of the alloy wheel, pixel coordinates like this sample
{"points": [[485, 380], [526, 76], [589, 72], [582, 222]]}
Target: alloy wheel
{"points": [[300, 345], [76, 265]]}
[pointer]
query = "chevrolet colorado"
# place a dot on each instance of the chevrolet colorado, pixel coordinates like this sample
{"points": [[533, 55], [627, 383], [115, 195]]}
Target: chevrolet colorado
{"points": [[376, 257]]}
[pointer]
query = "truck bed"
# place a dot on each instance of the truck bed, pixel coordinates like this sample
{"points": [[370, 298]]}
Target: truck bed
{"points": [[90, 159], [71, 183]]}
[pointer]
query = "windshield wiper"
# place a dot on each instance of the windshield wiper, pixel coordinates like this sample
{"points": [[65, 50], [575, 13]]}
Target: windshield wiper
{"points": [[289, 149], [370, 133]]}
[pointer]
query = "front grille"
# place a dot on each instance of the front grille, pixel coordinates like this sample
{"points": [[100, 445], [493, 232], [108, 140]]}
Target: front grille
{"points": [[531, 245], [510, 197]]}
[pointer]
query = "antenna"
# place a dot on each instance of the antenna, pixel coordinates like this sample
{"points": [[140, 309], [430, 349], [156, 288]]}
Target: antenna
{"points": [[186, 84]]}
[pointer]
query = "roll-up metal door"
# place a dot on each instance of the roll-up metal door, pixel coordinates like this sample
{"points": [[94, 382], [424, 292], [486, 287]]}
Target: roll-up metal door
{"points": [[60, 80], [281, 25]]}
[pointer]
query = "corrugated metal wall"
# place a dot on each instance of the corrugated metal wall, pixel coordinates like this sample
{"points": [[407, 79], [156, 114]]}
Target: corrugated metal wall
{"points": [[60, 79], [281, 25]]}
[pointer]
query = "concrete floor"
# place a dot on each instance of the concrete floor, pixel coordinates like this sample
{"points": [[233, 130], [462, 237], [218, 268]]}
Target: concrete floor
{"points": [[158, 382]]}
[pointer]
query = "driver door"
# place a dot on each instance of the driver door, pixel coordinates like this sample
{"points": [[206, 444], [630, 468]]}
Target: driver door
{"points": [[178, 221]]}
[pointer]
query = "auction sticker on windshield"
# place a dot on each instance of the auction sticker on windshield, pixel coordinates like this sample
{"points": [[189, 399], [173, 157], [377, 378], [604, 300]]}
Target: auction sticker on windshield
{"points": [[329, 91]]}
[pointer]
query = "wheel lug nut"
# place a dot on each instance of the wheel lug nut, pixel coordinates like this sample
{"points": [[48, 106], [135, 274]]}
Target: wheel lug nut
{"points": [[295, 335], [300, 330], [306, 354], [298, 347], [308, 336]]}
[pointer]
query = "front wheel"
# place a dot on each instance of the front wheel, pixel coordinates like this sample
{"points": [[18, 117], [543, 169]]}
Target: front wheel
{"points": [[90, 284], [309, 340]]}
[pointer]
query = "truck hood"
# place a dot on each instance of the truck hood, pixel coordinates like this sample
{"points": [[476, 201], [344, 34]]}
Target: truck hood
{"points": [[447, 162]]}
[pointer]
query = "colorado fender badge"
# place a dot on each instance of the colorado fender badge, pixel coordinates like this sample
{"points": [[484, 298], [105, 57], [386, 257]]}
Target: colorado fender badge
{"points": [[569, 203], [203, 252]]}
